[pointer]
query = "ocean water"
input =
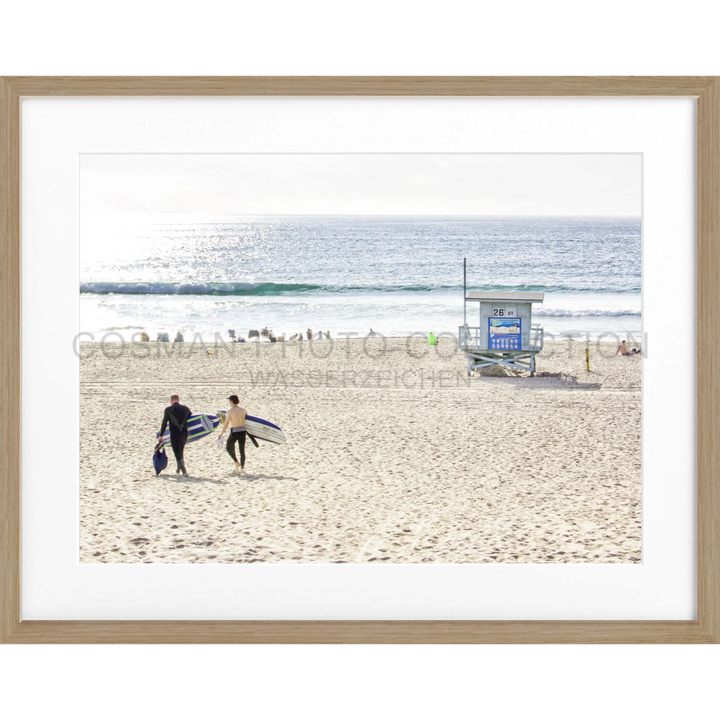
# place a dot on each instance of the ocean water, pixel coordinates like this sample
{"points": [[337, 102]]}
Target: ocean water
{"points": [[396, 275]]}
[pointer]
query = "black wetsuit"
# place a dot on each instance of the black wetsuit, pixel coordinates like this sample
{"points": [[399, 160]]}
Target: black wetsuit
{"points": [[176, 417], [239, 434]]}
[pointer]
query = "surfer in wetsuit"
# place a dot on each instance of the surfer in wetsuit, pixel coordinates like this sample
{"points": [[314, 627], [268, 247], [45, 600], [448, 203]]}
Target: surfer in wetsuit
{"points": [[235, 418], [176, 417]]}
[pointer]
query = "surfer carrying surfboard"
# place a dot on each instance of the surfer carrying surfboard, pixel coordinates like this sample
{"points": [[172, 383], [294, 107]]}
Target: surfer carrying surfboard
{"points": [[176, 416], [235, 418]]}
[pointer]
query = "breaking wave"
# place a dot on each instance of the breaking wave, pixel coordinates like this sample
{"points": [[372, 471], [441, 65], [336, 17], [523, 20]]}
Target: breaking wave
{"points": [[269, 288], [559, 312]]}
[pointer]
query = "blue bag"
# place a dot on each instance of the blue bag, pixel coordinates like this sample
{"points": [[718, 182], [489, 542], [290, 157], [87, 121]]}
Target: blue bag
{"points": [[160, 460]]}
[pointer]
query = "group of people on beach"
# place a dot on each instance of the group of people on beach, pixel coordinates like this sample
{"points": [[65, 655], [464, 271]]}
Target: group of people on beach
{"points": [[266, 334], [319, 335], [162, 337], [176, 418]]}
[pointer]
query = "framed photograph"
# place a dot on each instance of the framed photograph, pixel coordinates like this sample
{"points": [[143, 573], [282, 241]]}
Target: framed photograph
{"points": [[343, 360]]}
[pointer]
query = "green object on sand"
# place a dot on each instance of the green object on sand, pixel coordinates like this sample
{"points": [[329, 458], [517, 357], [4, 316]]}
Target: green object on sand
{"points": [[432, 340]]}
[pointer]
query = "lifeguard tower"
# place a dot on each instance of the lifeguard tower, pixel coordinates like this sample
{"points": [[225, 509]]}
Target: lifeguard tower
{"points": [[505, 333]]}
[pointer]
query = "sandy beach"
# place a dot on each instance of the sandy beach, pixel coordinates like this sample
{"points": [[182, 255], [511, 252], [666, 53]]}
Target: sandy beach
{"points": [[393, 455]]}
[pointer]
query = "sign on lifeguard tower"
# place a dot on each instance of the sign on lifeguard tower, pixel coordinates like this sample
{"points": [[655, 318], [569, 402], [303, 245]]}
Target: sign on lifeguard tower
{"points": [[504, 334]]}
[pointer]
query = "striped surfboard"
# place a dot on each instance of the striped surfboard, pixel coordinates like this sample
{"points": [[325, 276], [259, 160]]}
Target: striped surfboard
{"points": [[260, 428], [198, 427]]}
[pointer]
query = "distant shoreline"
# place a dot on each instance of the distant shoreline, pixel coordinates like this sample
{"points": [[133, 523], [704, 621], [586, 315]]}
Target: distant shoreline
{"points": [[440, 336]]}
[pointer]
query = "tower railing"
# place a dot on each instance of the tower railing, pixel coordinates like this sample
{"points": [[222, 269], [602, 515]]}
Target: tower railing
{"points": [[469, 339]]}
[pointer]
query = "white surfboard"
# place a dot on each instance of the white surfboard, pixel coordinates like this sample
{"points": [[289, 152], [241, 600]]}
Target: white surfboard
{"points": [[260, 428]]}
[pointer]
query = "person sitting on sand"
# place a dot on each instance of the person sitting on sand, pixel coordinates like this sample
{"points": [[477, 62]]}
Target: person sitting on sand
{"points": [[623, 350], [176, 416], [319, 335], [309, 334], [327, 334], [293, 337], [372, 333], [179, 337], [235, 418]]}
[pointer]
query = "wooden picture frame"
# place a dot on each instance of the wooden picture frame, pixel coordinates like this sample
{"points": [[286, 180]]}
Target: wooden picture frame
{"points": [[706, 629]]}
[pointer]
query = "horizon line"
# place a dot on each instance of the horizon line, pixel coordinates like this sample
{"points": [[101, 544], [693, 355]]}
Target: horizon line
{"points": [[423, 215]]}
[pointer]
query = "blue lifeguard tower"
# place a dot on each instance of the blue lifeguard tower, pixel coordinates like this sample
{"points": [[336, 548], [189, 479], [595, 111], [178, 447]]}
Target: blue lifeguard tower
{"points": [[505, 333]]}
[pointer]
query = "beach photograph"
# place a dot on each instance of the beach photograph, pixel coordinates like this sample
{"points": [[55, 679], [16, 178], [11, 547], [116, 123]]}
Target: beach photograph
{"points": [[360, 358]]}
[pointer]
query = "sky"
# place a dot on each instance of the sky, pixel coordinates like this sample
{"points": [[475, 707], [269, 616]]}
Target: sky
{"points": [[129, 185]]}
